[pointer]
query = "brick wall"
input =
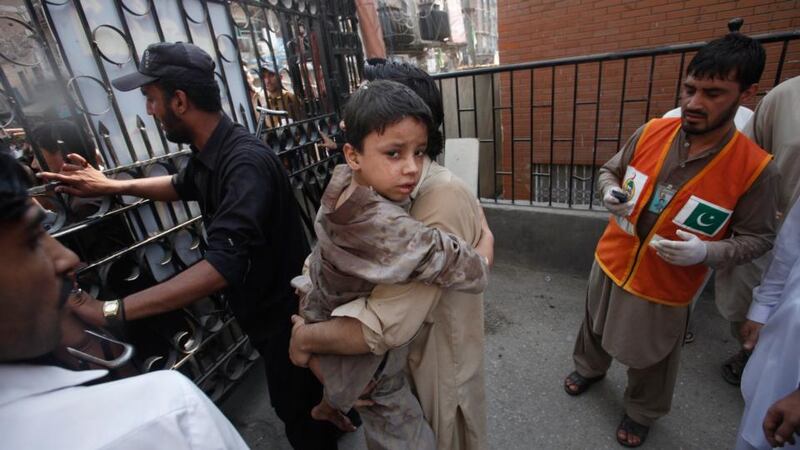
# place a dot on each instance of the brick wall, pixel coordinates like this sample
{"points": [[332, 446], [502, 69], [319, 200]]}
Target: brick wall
{"points": [[535, 30]]}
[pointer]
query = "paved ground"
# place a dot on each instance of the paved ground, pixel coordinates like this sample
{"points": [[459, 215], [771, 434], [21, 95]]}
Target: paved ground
{"points": [[531, 322]]}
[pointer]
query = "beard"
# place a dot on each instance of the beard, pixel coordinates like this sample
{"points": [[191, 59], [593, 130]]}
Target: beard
{"points": [[174, 129], [724, 118]]}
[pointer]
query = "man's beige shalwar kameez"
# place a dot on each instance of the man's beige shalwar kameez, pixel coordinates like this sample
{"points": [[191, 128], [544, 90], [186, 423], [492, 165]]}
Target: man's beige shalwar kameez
{"points": [[775, 127]]}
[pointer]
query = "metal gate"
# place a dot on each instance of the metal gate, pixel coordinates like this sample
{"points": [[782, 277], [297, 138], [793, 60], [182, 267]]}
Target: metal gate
{"points": [[57, 58]]}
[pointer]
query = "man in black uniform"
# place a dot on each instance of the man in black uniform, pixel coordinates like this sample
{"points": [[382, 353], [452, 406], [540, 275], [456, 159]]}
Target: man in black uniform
{"points": [[256, 242]]}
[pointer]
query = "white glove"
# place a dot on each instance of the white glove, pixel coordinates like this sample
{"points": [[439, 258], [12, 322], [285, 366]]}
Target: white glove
{"points": [[614, 206], [688, 252]]}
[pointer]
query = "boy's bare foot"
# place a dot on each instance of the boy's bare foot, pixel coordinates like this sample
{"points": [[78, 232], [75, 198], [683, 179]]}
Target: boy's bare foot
{"points": [[324, 411]]}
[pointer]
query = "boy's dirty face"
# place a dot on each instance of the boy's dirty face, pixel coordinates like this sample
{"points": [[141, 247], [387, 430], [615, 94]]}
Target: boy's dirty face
{"points": [[391, 162]]}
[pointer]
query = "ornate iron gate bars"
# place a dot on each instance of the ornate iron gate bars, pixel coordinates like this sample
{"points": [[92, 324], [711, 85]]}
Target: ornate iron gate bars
{"points": [[71, 49]]}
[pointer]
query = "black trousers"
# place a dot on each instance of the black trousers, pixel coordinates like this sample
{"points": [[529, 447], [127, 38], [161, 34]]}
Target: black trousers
{"points": [[294, 391]]}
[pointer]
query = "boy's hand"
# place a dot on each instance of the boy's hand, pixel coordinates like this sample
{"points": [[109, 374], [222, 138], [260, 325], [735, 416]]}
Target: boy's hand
{"points": [[364, 400], [296, 354]]}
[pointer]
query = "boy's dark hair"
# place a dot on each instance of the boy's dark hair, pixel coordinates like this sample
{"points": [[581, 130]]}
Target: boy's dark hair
{"points": [[13, 189], [421, 83], [734, 55], [205, 96], [65, 137], [380, 104]]}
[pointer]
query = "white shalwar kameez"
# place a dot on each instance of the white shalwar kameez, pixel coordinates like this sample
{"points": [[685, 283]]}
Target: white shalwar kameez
{"points": [[773, 370]]}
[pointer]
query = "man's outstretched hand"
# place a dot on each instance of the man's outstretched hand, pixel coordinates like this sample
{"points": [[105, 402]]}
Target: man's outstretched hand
{"points": [[782, 421], [79, 178]]}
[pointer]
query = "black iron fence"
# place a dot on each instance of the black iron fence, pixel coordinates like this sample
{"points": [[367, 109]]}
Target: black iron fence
{"points": [[545, 127]]}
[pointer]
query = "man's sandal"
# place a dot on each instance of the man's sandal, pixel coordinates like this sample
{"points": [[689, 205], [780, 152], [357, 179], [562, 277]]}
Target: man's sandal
{"points": [[631, 427], [580, 382], [733, 367]]}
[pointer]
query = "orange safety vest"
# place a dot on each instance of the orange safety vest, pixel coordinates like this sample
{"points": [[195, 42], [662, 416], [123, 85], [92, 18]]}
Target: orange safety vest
{"points": [[702, 206]]}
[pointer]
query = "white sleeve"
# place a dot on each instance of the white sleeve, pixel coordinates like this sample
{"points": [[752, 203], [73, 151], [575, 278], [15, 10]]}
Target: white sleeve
{"points": [[207, 427], [191, 422], [769, 294]]}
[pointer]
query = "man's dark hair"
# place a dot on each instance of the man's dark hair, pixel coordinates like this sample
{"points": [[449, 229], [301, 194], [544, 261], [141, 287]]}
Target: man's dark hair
{"points": [[380, 104], [420, 82], [733, 55], [13, 189], [65, 137], [205, 96]]}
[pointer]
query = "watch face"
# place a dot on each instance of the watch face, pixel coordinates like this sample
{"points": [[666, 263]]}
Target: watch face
{"points": [[110, 308]]}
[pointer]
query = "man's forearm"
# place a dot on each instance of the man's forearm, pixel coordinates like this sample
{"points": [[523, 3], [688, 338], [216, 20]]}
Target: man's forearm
{"points": [[196, 282], [338, 336], [154, 188]]}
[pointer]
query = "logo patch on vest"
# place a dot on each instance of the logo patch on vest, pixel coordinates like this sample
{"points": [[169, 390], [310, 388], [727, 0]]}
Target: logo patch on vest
{"points": [[702, 216], [633, 184]]}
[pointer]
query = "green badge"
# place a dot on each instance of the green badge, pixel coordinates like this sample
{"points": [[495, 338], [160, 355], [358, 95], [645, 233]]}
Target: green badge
{"points": [[702, 216]]}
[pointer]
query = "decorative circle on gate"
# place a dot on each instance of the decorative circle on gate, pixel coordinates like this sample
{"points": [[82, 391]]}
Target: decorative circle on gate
{"points": [[136, 7], [239, 14], [19, 45], [112, 44], [272, 22], [194, 10], [312, 6], [96, 98], [6, 111], [301, 5], [227, 47], [223, 90]]}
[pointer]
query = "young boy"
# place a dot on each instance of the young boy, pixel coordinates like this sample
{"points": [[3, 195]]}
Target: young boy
{"points": [[366, 237]]}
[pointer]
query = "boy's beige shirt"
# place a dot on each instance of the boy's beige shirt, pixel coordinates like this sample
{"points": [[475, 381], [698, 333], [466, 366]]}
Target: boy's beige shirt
{"points": [[446, 355]]}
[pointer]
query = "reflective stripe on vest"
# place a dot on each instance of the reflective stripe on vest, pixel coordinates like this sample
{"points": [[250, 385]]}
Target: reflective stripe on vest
{"points": [[702, 206]]}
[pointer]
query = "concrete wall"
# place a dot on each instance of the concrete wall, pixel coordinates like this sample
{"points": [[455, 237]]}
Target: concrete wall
{"points": [[546, 239]]}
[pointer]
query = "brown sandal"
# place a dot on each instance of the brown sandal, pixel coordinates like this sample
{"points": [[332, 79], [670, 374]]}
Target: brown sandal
{"points": [[631, 427], [581, 382]]}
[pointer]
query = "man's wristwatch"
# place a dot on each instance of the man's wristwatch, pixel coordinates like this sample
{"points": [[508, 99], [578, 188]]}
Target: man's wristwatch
{"points": [[114, 312]]}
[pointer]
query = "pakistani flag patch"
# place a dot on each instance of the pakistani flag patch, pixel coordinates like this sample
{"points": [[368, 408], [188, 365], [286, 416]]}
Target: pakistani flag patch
{"points": [[702, 216]]}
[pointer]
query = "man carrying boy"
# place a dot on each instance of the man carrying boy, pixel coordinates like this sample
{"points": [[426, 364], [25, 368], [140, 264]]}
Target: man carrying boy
{"points": [[446, 355], [366, 237]]}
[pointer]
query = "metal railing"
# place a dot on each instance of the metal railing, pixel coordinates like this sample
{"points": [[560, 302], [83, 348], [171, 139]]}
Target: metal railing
{"points": [[574, 114]]}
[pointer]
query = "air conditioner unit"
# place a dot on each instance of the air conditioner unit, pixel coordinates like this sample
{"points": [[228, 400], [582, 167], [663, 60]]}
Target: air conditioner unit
{"points": [[434, 24]]}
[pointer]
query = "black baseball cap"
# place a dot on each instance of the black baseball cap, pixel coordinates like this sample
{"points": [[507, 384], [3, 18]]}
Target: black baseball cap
{"points": [[171, 61], [267, 66]]}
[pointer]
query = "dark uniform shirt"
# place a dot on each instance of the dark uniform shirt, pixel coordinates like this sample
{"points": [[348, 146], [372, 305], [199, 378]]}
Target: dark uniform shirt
{"points": [[255, 237]]}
